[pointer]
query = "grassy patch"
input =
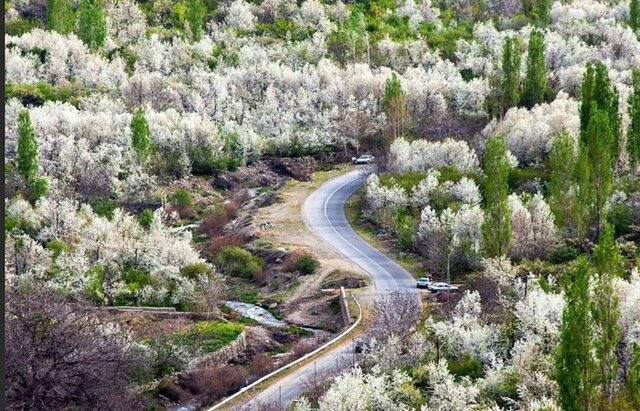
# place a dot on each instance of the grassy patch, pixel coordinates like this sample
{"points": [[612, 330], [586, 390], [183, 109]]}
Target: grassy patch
{"points": [[208, 336]]}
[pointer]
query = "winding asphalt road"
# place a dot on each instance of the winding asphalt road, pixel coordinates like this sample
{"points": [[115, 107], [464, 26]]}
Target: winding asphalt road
{"points": [[323, 213]]}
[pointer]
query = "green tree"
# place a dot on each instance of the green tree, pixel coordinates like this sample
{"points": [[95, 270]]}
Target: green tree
{"points": [[634, 14], [60, 16], [606, 311], [27, 148], [582, 193], [496, 228], [598, 90], [599, 149], [195, 17], [633, 132], [535, 83], [633, 377], [561, 163], [544, 13], [141, 140], [574, 363], [395, 106], [510, 84], [92, 24]]}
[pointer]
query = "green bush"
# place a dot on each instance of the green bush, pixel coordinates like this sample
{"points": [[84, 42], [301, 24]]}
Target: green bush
{"points": [[621, 217], [182, 202], [57, 246], [145, 218], [405, 227], [193, 271], [406, 180], [521, 175], [233, 260], [564, 253], [466, 366], [306, 264], [39, 93], [20, 26], [38, 188], [103, 206]]}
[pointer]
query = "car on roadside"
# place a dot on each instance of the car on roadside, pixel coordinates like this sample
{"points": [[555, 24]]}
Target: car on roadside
{"points": [[363, 159], [442, 288], [423, 282]]}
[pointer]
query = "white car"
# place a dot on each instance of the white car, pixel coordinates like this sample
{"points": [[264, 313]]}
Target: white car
{"points": [[363, 159], [423, 282], [442, 288]]}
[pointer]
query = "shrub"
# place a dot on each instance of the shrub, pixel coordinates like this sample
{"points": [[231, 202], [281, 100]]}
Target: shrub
{"points": [[564, 253], [306, 264], [218, 382], [213, 222], [182, 201], [303, 263], [193, 271], [218, 243], [166, 356], [261, 365], [103, 206], [235, 261], [466, 366], [57, 246], [145, 218]]}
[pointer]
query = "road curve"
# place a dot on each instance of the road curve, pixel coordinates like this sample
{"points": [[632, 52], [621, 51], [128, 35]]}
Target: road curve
{"points": [[323, 212]]}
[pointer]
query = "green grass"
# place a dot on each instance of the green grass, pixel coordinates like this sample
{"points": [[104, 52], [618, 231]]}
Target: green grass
{"points": [[208, 336]]}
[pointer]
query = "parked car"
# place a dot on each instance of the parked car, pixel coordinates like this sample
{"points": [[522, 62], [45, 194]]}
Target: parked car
{"points": [[442, 288], [423, 282], [359, 346], [363, 159]]}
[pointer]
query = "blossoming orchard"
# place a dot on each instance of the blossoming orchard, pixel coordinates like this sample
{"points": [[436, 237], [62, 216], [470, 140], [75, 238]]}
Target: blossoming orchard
{"points": [[160, 157]]}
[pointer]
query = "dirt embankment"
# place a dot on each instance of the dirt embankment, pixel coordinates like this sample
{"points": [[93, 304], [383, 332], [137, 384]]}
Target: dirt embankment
{"points": [[307, 304]]}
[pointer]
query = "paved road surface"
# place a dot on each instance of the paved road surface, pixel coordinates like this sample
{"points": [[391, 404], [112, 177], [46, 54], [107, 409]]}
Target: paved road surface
{"points": [[323, 212]]}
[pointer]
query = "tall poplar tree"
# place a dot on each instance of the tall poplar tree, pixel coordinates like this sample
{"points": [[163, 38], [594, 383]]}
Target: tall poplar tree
{"points": [[535, 82], [633, 132], [27, 148], [562, 159], [606, 312], [496, 228], [633, 376], [395, 106], [634, 15], [92, 24], [599, 147], [60, 16], [598, 90], [195, 17], [544, 13], [582, 193], [141, 139], [510, 84], [574, 363]]}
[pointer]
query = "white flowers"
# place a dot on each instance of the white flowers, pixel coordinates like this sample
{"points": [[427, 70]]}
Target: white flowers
{"points": [[421, 155]]}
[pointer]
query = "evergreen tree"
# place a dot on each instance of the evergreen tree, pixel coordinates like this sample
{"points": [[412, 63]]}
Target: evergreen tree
{"points": [[633, 377], [60, 16], [535, 83], [633, 132], [599, 146], [598, 89], [92, 24], [606, 312], [634, 15], [395, 106], [195, 17], [574, 363], [510, 74], [544, 13], [561, 163], [141, 140], [27, 148], [496, 228]]}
